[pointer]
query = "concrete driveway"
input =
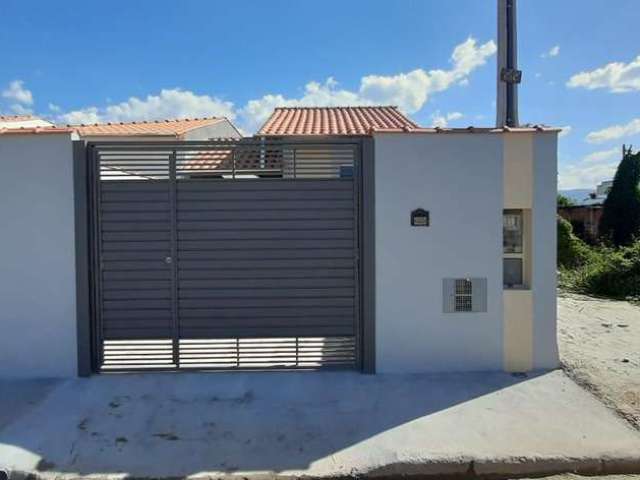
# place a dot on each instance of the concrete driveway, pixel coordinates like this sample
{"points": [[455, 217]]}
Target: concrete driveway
{"points": [[316, 424]]}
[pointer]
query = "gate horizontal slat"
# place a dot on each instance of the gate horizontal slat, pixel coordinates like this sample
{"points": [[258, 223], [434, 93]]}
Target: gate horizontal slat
{"points": [[197, 208], [264, 245], [186, 285], [136, 333], [263, 263], [184, 186], [135, 207], [243, 311], [266, 292], [248, 273], [203, 199], [307, 322], [266, 331], [266, 254], [241, 224], [263, 235], [158, 314], [209, 218], [129, 246], [138, 275]]}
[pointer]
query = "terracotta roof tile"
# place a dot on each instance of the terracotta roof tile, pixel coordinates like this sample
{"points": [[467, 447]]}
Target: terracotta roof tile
{"points": [[471, 129], [17, 118], [32, 130], [175, 127], [334, 121]]}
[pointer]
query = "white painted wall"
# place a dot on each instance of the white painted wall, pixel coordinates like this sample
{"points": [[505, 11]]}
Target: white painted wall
{"points": [[459, 179], [37, 257]]}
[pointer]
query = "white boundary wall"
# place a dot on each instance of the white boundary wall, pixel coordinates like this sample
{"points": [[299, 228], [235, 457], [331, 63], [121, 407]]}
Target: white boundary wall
{"points": [[37, 257], [458, 178]]}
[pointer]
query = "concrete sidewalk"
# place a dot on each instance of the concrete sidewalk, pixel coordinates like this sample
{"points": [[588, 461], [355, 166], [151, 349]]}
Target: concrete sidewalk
{"points": [[312, 424]]}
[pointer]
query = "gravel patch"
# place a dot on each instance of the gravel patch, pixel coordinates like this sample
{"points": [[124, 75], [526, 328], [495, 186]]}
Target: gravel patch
{"points": [[600, 349]]}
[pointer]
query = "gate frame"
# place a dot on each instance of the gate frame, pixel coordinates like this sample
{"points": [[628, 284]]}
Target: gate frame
{"points": [[86, 235]]}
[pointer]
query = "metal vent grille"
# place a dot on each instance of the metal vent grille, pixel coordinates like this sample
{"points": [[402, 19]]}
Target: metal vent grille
{"points": [[464, 292], [464, 295]]}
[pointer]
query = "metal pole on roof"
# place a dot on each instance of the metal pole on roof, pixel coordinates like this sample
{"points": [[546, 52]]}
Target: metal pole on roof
{"points": [[508, 74]]}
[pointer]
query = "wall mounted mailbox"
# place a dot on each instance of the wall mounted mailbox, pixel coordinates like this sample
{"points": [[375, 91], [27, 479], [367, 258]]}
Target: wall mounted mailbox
{"points": [[420, 218]]}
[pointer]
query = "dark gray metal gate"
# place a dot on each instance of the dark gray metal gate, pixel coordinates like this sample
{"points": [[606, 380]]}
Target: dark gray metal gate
{"points": [[226, 255]]}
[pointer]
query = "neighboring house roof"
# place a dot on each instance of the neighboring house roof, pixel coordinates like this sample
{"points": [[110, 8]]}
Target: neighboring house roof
{"points": [[471, 129], [302, 121], [34, 130], [20, 121], [165, 128]]}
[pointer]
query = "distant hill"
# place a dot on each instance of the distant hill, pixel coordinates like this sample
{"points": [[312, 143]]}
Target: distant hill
{"points": [[577, 195]]}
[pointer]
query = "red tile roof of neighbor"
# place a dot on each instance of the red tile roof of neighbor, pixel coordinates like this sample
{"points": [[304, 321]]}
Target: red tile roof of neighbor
{"points": [[17, 118], [174, 128], [292, 121], [333, 121], [32, 130]]}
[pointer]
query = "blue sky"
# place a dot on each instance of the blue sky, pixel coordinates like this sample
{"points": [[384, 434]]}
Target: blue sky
{"points": [[82, 61]]}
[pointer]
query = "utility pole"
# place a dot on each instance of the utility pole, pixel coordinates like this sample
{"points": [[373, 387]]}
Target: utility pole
{"points": [[508, 74]]}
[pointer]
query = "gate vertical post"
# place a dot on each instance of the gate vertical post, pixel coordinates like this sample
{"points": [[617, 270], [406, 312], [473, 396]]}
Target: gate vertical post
{"points": [[83, 305], [368, 260], [173, 260]]}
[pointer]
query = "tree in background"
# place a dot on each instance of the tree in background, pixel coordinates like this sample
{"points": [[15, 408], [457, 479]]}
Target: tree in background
{"points": [[621, 214], [564, 201]]}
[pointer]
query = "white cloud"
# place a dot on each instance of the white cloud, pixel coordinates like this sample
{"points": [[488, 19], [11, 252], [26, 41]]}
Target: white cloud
{"points": [[565, 131], [169, 103], [53, 107], [616, 77], [603, 155], [590, 170], [19, 109], [615, 132], [585, 176], [409, 91], [16, 92], [553, 52], [440, 120]]}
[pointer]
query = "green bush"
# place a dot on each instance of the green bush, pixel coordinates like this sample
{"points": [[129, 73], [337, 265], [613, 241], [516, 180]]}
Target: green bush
{"points": [[609, 272], [572, 252]]}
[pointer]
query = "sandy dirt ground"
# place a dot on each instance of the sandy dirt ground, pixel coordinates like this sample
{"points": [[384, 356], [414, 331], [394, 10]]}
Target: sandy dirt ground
{"points": [[600, 349]]}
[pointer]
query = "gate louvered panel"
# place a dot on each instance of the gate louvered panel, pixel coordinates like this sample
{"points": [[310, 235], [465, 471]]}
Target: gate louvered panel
{"points": [[266, 258]]}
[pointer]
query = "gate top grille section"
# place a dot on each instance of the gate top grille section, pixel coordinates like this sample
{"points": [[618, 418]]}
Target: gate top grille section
{"points": [[226, 160]]}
